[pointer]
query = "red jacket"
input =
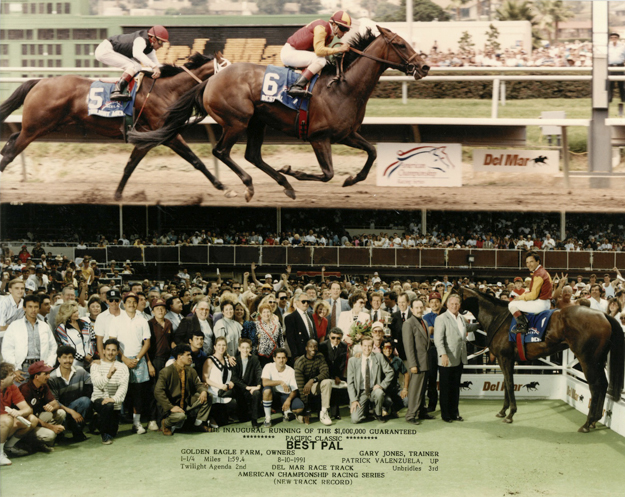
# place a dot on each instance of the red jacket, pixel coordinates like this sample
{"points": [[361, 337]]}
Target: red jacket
{"points": [[302, 39]]}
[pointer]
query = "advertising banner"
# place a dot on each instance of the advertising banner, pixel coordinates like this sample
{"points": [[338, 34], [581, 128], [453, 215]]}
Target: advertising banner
{"points": [[419, 164], [516, 161]]}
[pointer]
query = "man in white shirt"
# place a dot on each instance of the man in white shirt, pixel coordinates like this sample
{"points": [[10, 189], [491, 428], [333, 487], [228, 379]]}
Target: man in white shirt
{"points": [[133, 333], [103, 320], [596, 302], [12, 305], [280, 386]]}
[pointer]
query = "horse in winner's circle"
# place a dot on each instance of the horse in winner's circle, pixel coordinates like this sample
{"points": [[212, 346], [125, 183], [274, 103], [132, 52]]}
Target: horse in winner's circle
{"points": [[588, 333], [51, 103], [233, 99]]}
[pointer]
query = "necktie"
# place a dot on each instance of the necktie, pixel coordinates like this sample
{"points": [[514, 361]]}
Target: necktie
{"points": [[367, 380], [333, 318], [375, 316], [308, 324], [403, 317], [183, 377]]}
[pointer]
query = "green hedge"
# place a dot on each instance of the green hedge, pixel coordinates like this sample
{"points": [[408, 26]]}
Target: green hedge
{"points": [[515, 90]]}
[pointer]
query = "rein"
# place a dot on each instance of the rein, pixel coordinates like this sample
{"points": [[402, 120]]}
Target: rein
{"points": [[404, 66], [144, 102]]}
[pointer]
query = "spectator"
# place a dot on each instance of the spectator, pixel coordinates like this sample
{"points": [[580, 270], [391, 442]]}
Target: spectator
{"points": [[75, 332], [313, 379], [247, 379], [280, 388], [161, 345]]}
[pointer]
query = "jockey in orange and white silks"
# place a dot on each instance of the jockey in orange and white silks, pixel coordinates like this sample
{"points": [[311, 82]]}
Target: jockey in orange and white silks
{"points": [[538, 298], [308, 47], [129, 52]]}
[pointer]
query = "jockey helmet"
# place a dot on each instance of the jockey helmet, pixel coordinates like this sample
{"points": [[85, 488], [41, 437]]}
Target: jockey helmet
{"points": [[342, 18], [159, 32]]}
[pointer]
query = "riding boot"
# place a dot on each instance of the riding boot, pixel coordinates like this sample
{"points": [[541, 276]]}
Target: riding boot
{"points": [[298, 89], [119, 93], [521, 324]]}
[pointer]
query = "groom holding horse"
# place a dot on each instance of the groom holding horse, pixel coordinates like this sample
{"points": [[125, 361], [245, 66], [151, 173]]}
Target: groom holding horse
{"points": [[538, 299], [128, 52]]}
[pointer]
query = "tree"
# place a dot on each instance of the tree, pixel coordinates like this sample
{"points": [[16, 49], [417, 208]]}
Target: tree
{"points": [[423, 11], [455, 5], [492, 35], [272, 7], [465, 43], [553, 12], [520, 10]]}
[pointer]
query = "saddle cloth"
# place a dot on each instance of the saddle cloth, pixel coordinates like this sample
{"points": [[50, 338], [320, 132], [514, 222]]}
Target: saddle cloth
{"points": [[536, 329], [275, 83], [99, 101]]}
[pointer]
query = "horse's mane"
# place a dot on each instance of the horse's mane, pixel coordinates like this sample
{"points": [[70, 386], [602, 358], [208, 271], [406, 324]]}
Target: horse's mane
{"points": [[492, 299], [359, 42], [195, 61]]}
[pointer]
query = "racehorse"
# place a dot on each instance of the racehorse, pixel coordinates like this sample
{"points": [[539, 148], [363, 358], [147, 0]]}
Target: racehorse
{"points": [[588, 333], [51, 103], [233, 99]]}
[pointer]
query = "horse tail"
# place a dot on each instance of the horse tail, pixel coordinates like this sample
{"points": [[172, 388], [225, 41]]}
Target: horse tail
{"points": [[175, 120], [617, 359], [16, 100]]}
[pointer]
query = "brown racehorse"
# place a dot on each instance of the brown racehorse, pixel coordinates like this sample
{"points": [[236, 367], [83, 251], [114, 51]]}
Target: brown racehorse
{"points": [[51, 103], [233, 99], [588, 333]]}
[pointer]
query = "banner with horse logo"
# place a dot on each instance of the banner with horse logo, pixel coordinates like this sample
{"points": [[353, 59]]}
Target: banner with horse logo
{"points": [[516, 161], [419, 164]]}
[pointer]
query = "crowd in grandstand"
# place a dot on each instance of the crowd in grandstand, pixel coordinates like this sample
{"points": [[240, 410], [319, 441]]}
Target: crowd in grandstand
{"points": [[567, 54], [82, 354]]}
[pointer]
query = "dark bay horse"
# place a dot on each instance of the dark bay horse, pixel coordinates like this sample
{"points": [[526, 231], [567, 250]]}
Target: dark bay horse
{"points": [[51, 103], [588, 333], [232, 99]]}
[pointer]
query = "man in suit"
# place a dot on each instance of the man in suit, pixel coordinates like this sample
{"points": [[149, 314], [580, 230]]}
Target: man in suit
{"points": [[450, 338], [335, 352], [398, 319], [177, 401], [380, 375], [247, 383], [299, 327], [431, 375], [377, 314], [337, 304], [416, 344], [197, 322]]}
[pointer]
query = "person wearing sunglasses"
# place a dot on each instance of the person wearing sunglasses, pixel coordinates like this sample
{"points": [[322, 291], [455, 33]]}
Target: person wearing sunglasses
{"points": [[299, 326], [335, 352], [113, 297]]}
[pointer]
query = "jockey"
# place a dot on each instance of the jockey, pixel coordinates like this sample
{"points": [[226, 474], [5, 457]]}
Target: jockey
{"points": [[308, 48], [130, 51], [538, 299]]}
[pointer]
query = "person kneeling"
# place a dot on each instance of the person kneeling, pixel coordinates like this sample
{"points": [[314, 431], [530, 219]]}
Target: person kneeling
{"points": [[181, 394], [313, 380], [280, 386]]}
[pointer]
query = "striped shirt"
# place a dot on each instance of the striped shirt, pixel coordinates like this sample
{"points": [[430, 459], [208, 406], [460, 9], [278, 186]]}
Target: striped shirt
{"points": [[115, 387], [67, 391]]}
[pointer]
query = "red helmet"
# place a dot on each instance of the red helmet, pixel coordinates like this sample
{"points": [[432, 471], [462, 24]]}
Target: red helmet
{"points": [[342, 18], [159, 32]]}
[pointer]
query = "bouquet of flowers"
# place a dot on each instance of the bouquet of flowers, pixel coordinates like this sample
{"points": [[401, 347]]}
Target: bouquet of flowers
{"points": [[360, 330]]}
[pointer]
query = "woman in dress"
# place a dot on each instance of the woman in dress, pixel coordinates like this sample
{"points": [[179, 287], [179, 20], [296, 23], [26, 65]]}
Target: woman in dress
{"points": [[320, 311], [218, 376], [76, 332], [348, 318], [269, 333]]}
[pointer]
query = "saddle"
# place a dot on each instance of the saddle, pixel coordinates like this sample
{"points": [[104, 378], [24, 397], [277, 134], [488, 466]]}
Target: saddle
{"points": [[536, 328]]}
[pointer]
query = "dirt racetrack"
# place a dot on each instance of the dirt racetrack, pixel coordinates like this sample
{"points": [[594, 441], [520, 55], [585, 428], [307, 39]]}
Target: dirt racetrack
{"points": [[169, 180]]}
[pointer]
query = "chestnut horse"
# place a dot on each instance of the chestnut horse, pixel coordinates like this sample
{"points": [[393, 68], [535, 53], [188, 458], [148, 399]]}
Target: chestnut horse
{"points": [[588, 333], [51, 103], [233, 99]]}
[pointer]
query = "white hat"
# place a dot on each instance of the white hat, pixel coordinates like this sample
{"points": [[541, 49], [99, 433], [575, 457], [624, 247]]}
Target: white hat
{"points": [[267, 276]]}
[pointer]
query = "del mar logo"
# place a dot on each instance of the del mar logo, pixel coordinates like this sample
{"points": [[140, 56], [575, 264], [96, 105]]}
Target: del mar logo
{"points": [[426, 157], [513, 160]]}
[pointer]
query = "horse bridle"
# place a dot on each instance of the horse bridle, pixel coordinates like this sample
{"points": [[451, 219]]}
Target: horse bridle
{"points": [[406, 66]]}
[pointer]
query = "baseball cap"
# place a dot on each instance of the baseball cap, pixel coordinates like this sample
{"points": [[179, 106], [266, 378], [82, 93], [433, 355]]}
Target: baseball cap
{"points": [[159, 302], [267, 276], [434, 295], [518, 278], [377, 325], [113, 294], [267, 285], [127, 295], [38, 367]]}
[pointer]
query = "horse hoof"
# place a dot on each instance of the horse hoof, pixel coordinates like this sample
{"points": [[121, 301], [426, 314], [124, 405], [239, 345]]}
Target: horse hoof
{"points": [[118, 195], [285, 170], [583, 429], [349, 181], [290, 193], [507, 421], [501, 414], [249, 193], [230, 193]]}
